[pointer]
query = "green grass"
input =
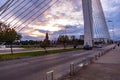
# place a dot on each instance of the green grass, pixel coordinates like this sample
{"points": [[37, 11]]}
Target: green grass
{"points": [[28, 54]]}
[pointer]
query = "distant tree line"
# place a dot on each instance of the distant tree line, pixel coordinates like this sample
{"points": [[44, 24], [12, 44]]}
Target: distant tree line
{"points": [[9, 36], [65, 40], [62, 40], [27, 42]]}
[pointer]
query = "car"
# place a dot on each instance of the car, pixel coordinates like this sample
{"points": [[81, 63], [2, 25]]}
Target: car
{"points": [[98, 46], [87, 47]]}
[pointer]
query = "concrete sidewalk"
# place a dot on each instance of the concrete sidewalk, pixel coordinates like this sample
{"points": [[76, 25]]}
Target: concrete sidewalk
{"points": [[106, 67]]}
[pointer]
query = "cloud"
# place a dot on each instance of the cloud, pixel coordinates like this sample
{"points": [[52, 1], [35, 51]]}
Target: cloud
{"points": [[111, 8], [112, 12], [56, 19], [63, 13]]}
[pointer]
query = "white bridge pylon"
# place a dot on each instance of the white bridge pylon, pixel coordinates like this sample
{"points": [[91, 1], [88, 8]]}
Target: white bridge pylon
{"points": [[88, 22]]}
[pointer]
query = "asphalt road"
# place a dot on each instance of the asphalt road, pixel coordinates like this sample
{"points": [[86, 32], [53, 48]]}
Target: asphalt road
{"points": [[35, 68]]}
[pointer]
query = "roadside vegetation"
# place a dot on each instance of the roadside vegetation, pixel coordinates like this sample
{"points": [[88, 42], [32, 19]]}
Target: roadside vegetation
{"points": [[31, 54], [11, 38]]}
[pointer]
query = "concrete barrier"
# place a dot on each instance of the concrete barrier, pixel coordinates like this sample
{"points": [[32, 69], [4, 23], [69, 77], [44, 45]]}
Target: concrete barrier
{"points": [[49, 75], [72, 69], [83, 63]]}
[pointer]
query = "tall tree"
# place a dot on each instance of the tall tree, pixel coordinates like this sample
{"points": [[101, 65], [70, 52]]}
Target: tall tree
{"points": [[44, 44], [46, 40]]}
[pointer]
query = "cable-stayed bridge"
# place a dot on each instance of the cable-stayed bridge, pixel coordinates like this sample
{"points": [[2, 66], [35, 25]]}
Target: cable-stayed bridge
{"points": [[23, 13], [94, 22], [59, 17]]}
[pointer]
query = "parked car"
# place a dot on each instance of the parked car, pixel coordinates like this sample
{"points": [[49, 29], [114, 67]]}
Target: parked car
{"points": [[98, 46]]}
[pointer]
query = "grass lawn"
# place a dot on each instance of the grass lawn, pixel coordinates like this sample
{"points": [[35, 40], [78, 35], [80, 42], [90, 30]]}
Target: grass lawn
{"points": [[37, 53]]}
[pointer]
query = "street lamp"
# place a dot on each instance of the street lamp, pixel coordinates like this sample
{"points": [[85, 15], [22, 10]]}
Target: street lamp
{"points": [[112, 28]]}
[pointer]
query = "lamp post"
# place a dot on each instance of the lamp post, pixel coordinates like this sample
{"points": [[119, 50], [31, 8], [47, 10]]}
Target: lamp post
{"points": [[112, 28]]}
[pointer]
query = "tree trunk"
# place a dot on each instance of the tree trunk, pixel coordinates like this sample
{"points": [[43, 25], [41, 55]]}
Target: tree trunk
{"points": [[11, 48], [64, 45], [45, 50], [74, 46]]}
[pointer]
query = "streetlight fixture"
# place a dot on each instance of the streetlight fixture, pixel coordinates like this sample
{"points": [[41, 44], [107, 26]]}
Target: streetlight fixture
{"points": [[112, 28]]}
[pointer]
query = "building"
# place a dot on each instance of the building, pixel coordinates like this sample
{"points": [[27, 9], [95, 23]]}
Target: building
{"points": [[82, 37]]}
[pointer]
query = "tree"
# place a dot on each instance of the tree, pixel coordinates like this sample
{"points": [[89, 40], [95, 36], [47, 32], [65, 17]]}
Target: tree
{"points": [[18, 38], [46, 40], [63, 39], [74, 41], [44, 44], [8, 35], [1, 36], [80, 42]]}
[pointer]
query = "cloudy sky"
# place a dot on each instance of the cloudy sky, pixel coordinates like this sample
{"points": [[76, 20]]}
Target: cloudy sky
{"points": [[33, 18], [112, 12]]}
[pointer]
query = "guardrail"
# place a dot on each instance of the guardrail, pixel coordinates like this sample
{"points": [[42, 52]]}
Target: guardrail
{"points": [[79, 65]]}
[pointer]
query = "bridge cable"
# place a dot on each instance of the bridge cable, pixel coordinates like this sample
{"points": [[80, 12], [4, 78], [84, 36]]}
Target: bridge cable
{"points": [[14, 8], [34, 13], [3, 6], [98, 21], [19, 10], [9, 8], [23, 13], [6, 7], [101, 19], [41, 13]]}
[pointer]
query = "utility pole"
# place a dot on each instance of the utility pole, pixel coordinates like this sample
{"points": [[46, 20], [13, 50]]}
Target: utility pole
{"points": [[113, 34]]}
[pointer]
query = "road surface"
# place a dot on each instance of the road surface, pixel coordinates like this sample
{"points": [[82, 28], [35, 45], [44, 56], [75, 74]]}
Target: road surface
{"points": [[35, 68]]}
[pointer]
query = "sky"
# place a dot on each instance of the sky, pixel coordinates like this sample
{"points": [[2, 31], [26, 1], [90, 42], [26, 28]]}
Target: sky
{"points": [[112, 12], [64, 17]]}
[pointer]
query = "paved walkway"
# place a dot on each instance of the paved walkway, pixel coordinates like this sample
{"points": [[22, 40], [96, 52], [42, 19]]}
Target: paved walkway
{"points": [[106, 67]]}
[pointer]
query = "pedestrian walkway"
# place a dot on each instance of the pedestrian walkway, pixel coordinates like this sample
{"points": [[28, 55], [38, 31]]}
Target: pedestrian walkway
{"points": [[106, 67]]}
